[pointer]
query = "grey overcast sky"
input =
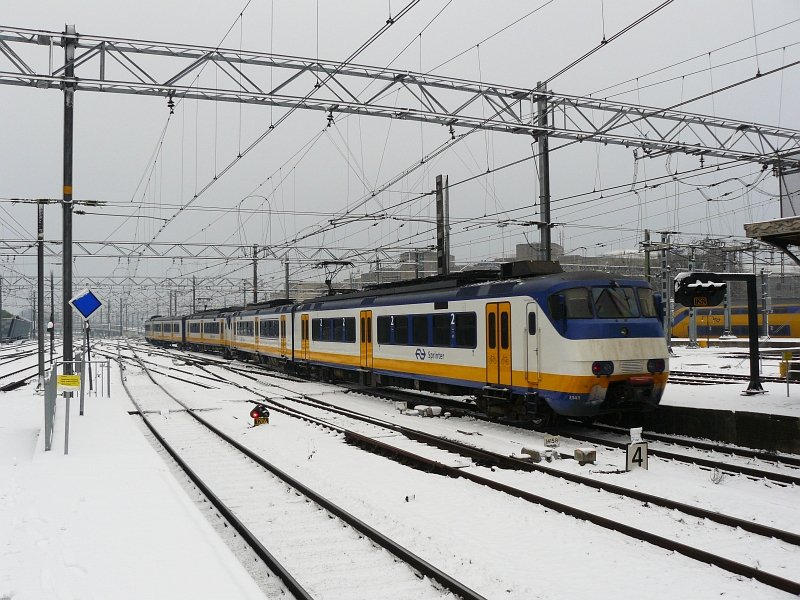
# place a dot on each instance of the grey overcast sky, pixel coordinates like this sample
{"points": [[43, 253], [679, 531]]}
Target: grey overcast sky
{"points": [[303, 174]]}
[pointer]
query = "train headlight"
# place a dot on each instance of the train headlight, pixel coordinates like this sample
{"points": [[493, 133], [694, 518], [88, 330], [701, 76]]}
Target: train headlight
{"points": [[655, 365], [602, 367]]}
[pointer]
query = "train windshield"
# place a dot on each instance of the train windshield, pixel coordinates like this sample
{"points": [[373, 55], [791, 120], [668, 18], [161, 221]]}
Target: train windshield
{"points": [[603, 302], [615, 302]]}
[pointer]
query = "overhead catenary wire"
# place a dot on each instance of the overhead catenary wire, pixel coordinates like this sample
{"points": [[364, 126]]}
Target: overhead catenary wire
{"points": [[605, 41], [287, 114]]}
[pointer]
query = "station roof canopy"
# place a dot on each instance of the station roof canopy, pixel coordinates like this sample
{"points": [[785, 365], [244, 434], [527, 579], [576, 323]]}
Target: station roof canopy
{"points": [[778, 232]]}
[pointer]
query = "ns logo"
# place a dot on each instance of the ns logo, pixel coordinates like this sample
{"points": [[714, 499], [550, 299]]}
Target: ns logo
{"points": [[420, 353]]}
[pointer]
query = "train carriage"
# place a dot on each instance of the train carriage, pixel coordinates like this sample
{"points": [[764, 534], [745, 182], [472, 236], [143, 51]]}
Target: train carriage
{"points": [[575, 344], [784, 321], [206, 331], [164, 330], [261, 331], [327, 331]]}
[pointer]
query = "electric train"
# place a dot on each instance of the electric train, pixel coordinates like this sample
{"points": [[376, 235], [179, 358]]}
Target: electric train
{"points": [[575, 344]]}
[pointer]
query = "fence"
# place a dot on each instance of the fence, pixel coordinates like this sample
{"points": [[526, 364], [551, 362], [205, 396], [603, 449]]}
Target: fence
{"points": [[51, 393]]}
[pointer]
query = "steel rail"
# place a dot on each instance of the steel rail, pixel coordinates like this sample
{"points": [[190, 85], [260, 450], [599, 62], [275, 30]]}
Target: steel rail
{"points": [[700, 445], [733, 376], [704, 462], [722, 466], [261, 551]]}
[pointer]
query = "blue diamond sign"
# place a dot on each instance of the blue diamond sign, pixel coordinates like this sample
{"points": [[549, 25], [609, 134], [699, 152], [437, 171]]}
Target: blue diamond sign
{"points": [[86, 303]]}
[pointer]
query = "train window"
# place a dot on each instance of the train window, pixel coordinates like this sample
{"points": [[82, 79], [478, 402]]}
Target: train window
{"points": [[466, 330], [268, 328], [349, 329], [648, 303], [166, 328], [492, 327], [363, 331], [576, 301], [283, 328], [531, 323], [441, 329], [419, 330], [615, 302], [245, 328], [504, 330], [369, 330], [384, 329], [176, 327], [338, 329], [327, 330], [316, 329], [194, 327], [401, 329], [211, 327], [157, 328]]}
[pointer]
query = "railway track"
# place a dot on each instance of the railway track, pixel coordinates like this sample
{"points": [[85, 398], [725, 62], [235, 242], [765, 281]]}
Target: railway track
{"points": [[580, 434], [705, 378], [422, 460], [417, 398], [700, 445], [318, 550]]}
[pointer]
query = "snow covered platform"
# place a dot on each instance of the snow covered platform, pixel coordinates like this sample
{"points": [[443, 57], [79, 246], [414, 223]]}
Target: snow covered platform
{"points": [[769, 421], [106, 521]]}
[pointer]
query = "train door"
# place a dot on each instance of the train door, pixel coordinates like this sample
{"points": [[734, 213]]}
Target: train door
{"points": [[283, 335], [498, 343], [532, 367], [365, 349], [304, 335]]}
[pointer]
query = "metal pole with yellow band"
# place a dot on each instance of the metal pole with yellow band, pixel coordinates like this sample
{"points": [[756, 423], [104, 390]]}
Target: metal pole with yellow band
{"points": [[69, 96]]}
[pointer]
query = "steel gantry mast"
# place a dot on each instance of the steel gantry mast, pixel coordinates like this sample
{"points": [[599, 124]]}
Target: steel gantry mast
{"points": [[128, 66]]}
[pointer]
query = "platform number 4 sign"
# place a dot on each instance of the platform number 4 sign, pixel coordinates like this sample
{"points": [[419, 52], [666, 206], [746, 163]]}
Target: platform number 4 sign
{"points": [[637, 456]]}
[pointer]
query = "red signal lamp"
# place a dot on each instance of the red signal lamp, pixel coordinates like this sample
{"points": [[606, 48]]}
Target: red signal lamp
{"points": [[259, 414]]}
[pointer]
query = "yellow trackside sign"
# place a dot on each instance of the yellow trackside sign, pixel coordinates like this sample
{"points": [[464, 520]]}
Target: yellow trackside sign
{"points": [[68, 383]]}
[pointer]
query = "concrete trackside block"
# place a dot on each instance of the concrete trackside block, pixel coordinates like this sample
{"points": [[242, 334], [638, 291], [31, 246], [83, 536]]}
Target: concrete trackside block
{"points": [[400, 406], [534, 454], [585, 455]]}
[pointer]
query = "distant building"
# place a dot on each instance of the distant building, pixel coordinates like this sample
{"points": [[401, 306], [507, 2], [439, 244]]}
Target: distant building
{"points": [[534, 251]]}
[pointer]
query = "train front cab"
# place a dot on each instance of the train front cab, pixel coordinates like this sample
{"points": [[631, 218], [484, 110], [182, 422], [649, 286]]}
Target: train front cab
{"points": [[611, 357]]}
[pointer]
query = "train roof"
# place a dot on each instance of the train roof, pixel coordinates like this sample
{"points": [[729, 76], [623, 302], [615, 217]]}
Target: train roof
{"points": [[533, 278], [486, 285], [164, 318]]}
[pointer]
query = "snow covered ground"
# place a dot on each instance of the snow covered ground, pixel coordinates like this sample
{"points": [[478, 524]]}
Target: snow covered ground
{"points": [[109, 520], [729, 397]]}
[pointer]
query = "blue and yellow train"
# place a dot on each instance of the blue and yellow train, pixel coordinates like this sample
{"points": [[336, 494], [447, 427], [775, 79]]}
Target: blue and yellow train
{"points": [[784, 321], [577, 344]]}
